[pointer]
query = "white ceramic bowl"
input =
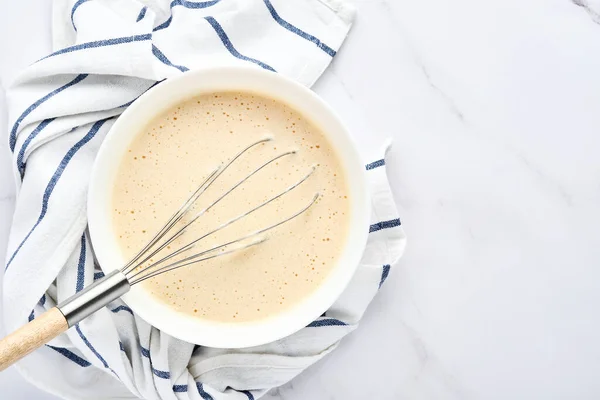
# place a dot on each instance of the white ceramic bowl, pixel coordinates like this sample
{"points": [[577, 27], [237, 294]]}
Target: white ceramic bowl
{"points": [[163, 97]]}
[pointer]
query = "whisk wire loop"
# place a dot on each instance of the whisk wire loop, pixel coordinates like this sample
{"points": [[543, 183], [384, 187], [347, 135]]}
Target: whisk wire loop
{"points": [[136, 269]]}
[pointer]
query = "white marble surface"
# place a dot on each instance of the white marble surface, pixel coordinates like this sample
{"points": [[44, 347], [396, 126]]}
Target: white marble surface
{"points": [[495, 109]]}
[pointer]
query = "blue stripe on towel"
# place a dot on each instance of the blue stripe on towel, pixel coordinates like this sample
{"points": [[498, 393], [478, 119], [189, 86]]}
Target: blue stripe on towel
{"points": [[55, 177], [375, 164], [186, 4], [13, 132], [202, 392], [145, 352], [121, 347], [159, 54], [326, 322], [227, 43], [199, 386], [384, 225], [101, 43], [93, 350], [61, 350], [71, 356], [194, 4], [164, 24], [248, 394], [98, 275], [384, 274], [32, 135], [298, 31], [81, 266], [75, 7], [161, 374], [142, 14], [122, 308]]}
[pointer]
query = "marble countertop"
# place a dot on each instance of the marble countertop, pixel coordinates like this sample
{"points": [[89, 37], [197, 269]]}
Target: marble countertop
{"points": [[494, 111]]}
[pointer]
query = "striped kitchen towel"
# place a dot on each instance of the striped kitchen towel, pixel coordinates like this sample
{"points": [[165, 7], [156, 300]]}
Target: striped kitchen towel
{"points": [[106, 54]]}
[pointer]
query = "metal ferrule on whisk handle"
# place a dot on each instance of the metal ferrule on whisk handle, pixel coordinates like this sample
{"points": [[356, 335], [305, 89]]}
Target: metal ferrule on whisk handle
{"points": [[94, 297]]}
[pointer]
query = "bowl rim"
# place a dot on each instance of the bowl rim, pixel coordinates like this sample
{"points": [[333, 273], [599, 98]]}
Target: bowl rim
{"points": [[207, 80]]}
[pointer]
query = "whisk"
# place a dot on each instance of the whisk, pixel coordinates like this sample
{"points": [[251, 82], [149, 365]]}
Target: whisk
{"points": [[142, 266]]}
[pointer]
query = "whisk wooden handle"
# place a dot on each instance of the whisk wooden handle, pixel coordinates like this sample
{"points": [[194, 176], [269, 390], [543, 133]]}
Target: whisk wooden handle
{"points": [[58, 319], [31, 336]]}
